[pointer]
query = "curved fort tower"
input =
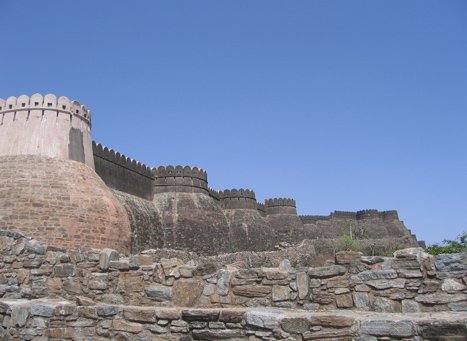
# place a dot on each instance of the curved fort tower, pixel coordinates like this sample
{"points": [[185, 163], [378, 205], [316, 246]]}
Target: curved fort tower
{"points": [[48, 189], [61, 188]]}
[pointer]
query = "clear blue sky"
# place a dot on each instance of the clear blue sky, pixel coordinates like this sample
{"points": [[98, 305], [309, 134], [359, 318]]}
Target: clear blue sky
{"points": [[342, 105]]}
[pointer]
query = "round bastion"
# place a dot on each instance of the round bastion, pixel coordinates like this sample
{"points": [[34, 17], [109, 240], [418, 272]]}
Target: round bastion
{"points": [[48, 189]]}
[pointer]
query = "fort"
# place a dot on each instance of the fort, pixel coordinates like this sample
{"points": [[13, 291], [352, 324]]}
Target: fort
{"points": [[95, 245], [62, 188]]}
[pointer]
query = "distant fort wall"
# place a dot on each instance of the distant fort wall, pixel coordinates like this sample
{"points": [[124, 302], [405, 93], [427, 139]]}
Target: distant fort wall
{"points": [[46, 126]]}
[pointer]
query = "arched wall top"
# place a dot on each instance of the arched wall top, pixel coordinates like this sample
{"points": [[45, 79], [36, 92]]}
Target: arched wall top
{"points": [[115, 157], [280, 202], [47, 102], [237, 193], [180, 171]]}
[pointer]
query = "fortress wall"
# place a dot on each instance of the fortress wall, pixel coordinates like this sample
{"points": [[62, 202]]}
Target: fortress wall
{"points": [[365, 224], [63, 203], [145, 222], [46, 126], [410, 282], [122, 173]]}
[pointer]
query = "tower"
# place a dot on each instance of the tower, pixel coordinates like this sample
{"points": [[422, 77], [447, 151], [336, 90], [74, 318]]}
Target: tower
{"points": [[45, 126], [48, 189]]}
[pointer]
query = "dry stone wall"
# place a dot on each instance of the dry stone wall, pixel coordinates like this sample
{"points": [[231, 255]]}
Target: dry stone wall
{"points": [[412, 281], [49, 319]]}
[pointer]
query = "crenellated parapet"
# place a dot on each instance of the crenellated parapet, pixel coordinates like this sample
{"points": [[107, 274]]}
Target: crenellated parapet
{"points": [[38, 104], [280, 206], [238, 199], [180, 179], [121, 160], [347, 215], [280, 202], [46, 126]]}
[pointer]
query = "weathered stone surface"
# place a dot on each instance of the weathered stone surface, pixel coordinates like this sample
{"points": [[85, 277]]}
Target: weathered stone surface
{"points": [[200, 315], [64, 270], [440, 298], [295, 325], [159, 292], [107, 310], [372, 275], [444, 331], [302, 285], [388, 328], [106, 256], [231, 316], [385, 284], [19, 316], [218, 334], [223, 282], [344, 301], [385, 305], [361, 300], [451, 285], [280, 293], [263, 319], [252, 290], [410, 306], [125, 326], [330, 320], [327, 271], [42, 309], [140, 315], [186, 292]]}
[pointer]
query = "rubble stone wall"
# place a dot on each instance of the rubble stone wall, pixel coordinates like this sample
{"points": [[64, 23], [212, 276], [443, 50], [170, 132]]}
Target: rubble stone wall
{"points": [[410, 282], [47, 319]]}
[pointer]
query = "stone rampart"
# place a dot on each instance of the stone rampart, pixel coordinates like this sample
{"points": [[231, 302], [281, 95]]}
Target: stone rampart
{"points": [[122, 173], [46, 126]]}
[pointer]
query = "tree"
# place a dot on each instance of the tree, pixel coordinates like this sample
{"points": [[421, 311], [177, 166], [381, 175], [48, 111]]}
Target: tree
{"points": [[449, 246]]}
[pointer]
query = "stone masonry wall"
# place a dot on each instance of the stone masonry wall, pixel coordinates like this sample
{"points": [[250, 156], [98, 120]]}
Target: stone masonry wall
{"points": [[49, 319], [412, 281]]}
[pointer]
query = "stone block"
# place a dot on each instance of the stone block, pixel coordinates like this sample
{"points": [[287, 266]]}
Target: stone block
{"points": [[140, 315], [391, 328], [302, 285], [327, 271], [361, 300], [280, 293], [295, 325], [159, 292], [106, 256], [64, 270], [125, 326], [252, 290], [200, 315], [186, 292], [344, 301]]}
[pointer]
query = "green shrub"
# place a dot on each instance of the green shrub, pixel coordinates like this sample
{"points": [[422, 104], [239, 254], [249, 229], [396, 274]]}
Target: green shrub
{"points": [[449, 246], [346, 243]]}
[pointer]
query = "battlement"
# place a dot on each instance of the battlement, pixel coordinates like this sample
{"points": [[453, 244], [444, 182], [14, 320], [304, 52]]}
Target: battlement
{"points": [[274, 202], [359, 215], [234, 193], [180, 179], [38, 103], [261, 207], [241, 198], [119, 159]]}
